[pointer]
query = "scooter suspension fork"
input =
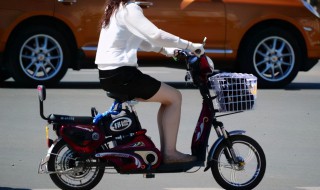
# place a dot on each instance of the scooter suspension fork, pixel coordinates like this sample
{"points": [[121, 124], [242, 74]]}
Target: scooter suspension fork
{"points": [[228, 151]]}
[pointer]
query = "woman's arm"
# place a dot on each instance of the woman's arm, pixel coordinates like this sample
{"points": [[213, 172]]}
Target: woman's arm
{"points": [[145, 46], [139, 25]]}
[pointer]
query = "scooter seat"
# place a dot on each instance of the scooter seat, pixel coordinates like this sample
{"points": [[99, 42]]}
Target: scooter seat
{"points": [[67, 119]]}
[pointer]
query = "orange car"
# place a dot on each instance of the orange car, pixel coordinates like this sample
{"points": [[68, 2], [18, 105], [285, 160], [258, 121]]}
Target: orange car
{"points": [[273, 39]]}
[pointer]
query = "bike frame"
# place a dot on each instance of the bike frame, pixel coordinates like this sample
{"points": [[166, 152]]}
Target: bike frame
{"points": [[207, 118], [204, 124]]}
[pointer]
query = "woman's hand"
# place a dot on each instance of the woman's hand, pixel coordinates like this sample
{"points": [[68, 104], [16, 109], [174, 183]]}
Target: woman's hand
{"points": [[169, 52], [196, 48]]}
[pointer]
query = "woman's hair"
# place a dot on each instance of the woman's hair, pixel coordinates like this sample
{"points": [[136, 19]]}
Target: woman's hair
{"points": [[110, 7]]}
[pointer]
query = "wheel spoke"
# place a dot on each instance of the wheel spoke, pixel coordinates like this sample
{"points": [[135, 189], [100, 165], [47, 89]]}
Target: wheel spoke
{"points": [[249, 156], [274, 44], [44, 71], [32, 63], [30, 48], [283, 44], [54, 57], [266, 46], [35, 72], [233, 176], [279, 68], [48, 63], [54, 48], [267, 68], [286, 55], [27, 57], [262, 62], [262, 54], [45, 43], [37, 44]]}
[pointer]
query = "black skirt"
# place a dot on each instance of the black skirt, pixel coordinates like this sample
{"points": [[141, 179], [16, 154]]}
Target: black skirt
{"points": [[129, 80]]}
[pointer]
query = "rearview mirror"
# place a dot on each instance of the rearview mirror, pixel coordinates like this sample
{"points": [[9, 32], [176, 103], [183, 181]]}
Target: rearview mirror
{"points": [[41, 92]]}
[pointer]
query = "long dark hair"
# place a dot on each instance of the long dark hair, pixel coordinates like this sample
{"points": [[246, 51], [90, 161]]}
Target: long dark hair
{"points": [[110, 7]]}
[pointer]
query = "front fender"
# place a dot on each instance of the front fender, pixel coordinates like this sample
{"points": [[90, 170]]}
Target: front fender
{"points": [[216, 144]]}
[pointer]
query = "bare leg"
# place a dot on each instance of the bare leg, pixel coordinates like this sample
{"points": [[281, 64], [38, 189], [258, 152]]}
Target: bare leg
{"points": [[168, 122], [160, 126]]}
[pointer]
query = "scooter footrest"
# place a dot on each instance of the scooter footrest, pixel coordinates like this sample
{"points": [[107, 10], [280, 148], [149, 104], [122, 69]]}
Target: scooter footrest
{"points": [[179, 167]]}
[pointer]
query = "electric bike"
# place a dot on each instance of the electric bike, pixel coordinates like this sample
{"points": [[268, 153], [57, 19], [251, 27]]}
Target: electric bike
{"points": [[86, 146]]}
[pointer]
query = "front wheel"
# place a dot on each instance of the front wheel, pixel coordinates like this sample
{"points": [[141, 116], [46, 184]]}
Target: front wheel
{"points": [[249, 169], [70, 171]]}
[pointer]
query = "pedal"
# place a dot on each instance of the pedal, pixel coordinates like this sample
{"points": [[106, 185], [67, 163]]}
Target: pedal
{"points": [[148, 175]]}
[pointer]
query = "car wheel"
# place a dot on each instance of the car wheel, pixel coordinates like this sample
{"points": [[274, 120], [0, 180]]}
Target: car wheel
{"points": [[38, 55], [273, 55]]}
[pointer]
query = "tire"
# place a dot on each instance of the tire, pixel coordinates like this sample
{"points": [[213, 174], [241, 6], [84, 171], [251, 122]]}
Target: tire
{"points": [[245, 175], [273, 55], [38, 55], [3, 76], [62, 158]]}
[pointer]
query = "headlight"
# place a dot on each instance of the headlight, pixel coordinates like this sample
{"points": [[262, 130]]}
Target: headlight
{"points": [[310, 8]]}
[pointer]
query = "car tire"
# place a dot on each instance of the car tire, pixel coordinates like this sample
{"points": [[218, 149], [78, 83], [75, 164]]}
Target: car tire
{"points": [[38, 55], [3, 76], [273, 55]]}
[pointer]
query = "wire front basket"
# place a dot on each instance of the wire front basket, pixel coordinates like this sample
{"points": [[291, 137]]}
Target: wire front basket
{"points": [[235, 91]]}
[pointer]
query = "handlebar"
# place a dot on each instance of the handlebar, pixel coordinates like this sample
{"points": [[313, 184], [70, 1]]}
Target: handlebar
{"points": [[198, 66]]}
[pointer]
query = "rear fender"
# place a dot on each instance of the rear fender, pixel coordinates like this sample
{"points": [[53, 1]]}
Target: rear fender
{"points": [[43, 166], [215, 146]]}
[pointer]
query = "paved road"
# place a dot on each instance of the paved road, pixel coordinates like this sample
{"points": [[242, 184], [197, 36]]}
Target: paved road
{"points": [[285, 123]]}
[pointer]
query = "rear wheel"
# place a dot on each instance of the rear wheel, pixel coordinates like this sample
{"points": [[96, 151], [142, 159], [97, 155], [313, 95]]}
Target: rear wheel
{"points": [[70, 172], [248, 172]]}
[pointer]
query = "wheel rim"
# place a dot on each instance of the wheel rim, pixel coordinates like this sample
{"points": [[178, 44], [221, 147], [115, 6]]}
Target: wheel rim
{"points": [[78, 176], [41, 57], [246, 171], [274, 59]]}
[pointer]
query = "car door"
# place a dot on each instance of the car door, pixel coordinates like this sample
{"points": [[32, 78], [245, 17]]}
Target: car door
{"points": [[192, 20], [83, 17]]}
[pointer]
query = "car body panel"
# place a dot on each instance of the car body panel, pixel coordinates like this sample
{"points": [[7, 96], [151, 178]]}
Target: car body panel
{"points": [[271, 10], [13, 12], [227, 24], [83, 18], [226, 21], [187, 21]]}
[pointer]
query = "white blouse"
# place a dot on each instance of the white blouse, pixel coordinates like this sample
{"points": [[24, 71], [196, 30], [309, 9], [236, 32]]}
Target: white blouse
{"points": [[128, 31]]}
